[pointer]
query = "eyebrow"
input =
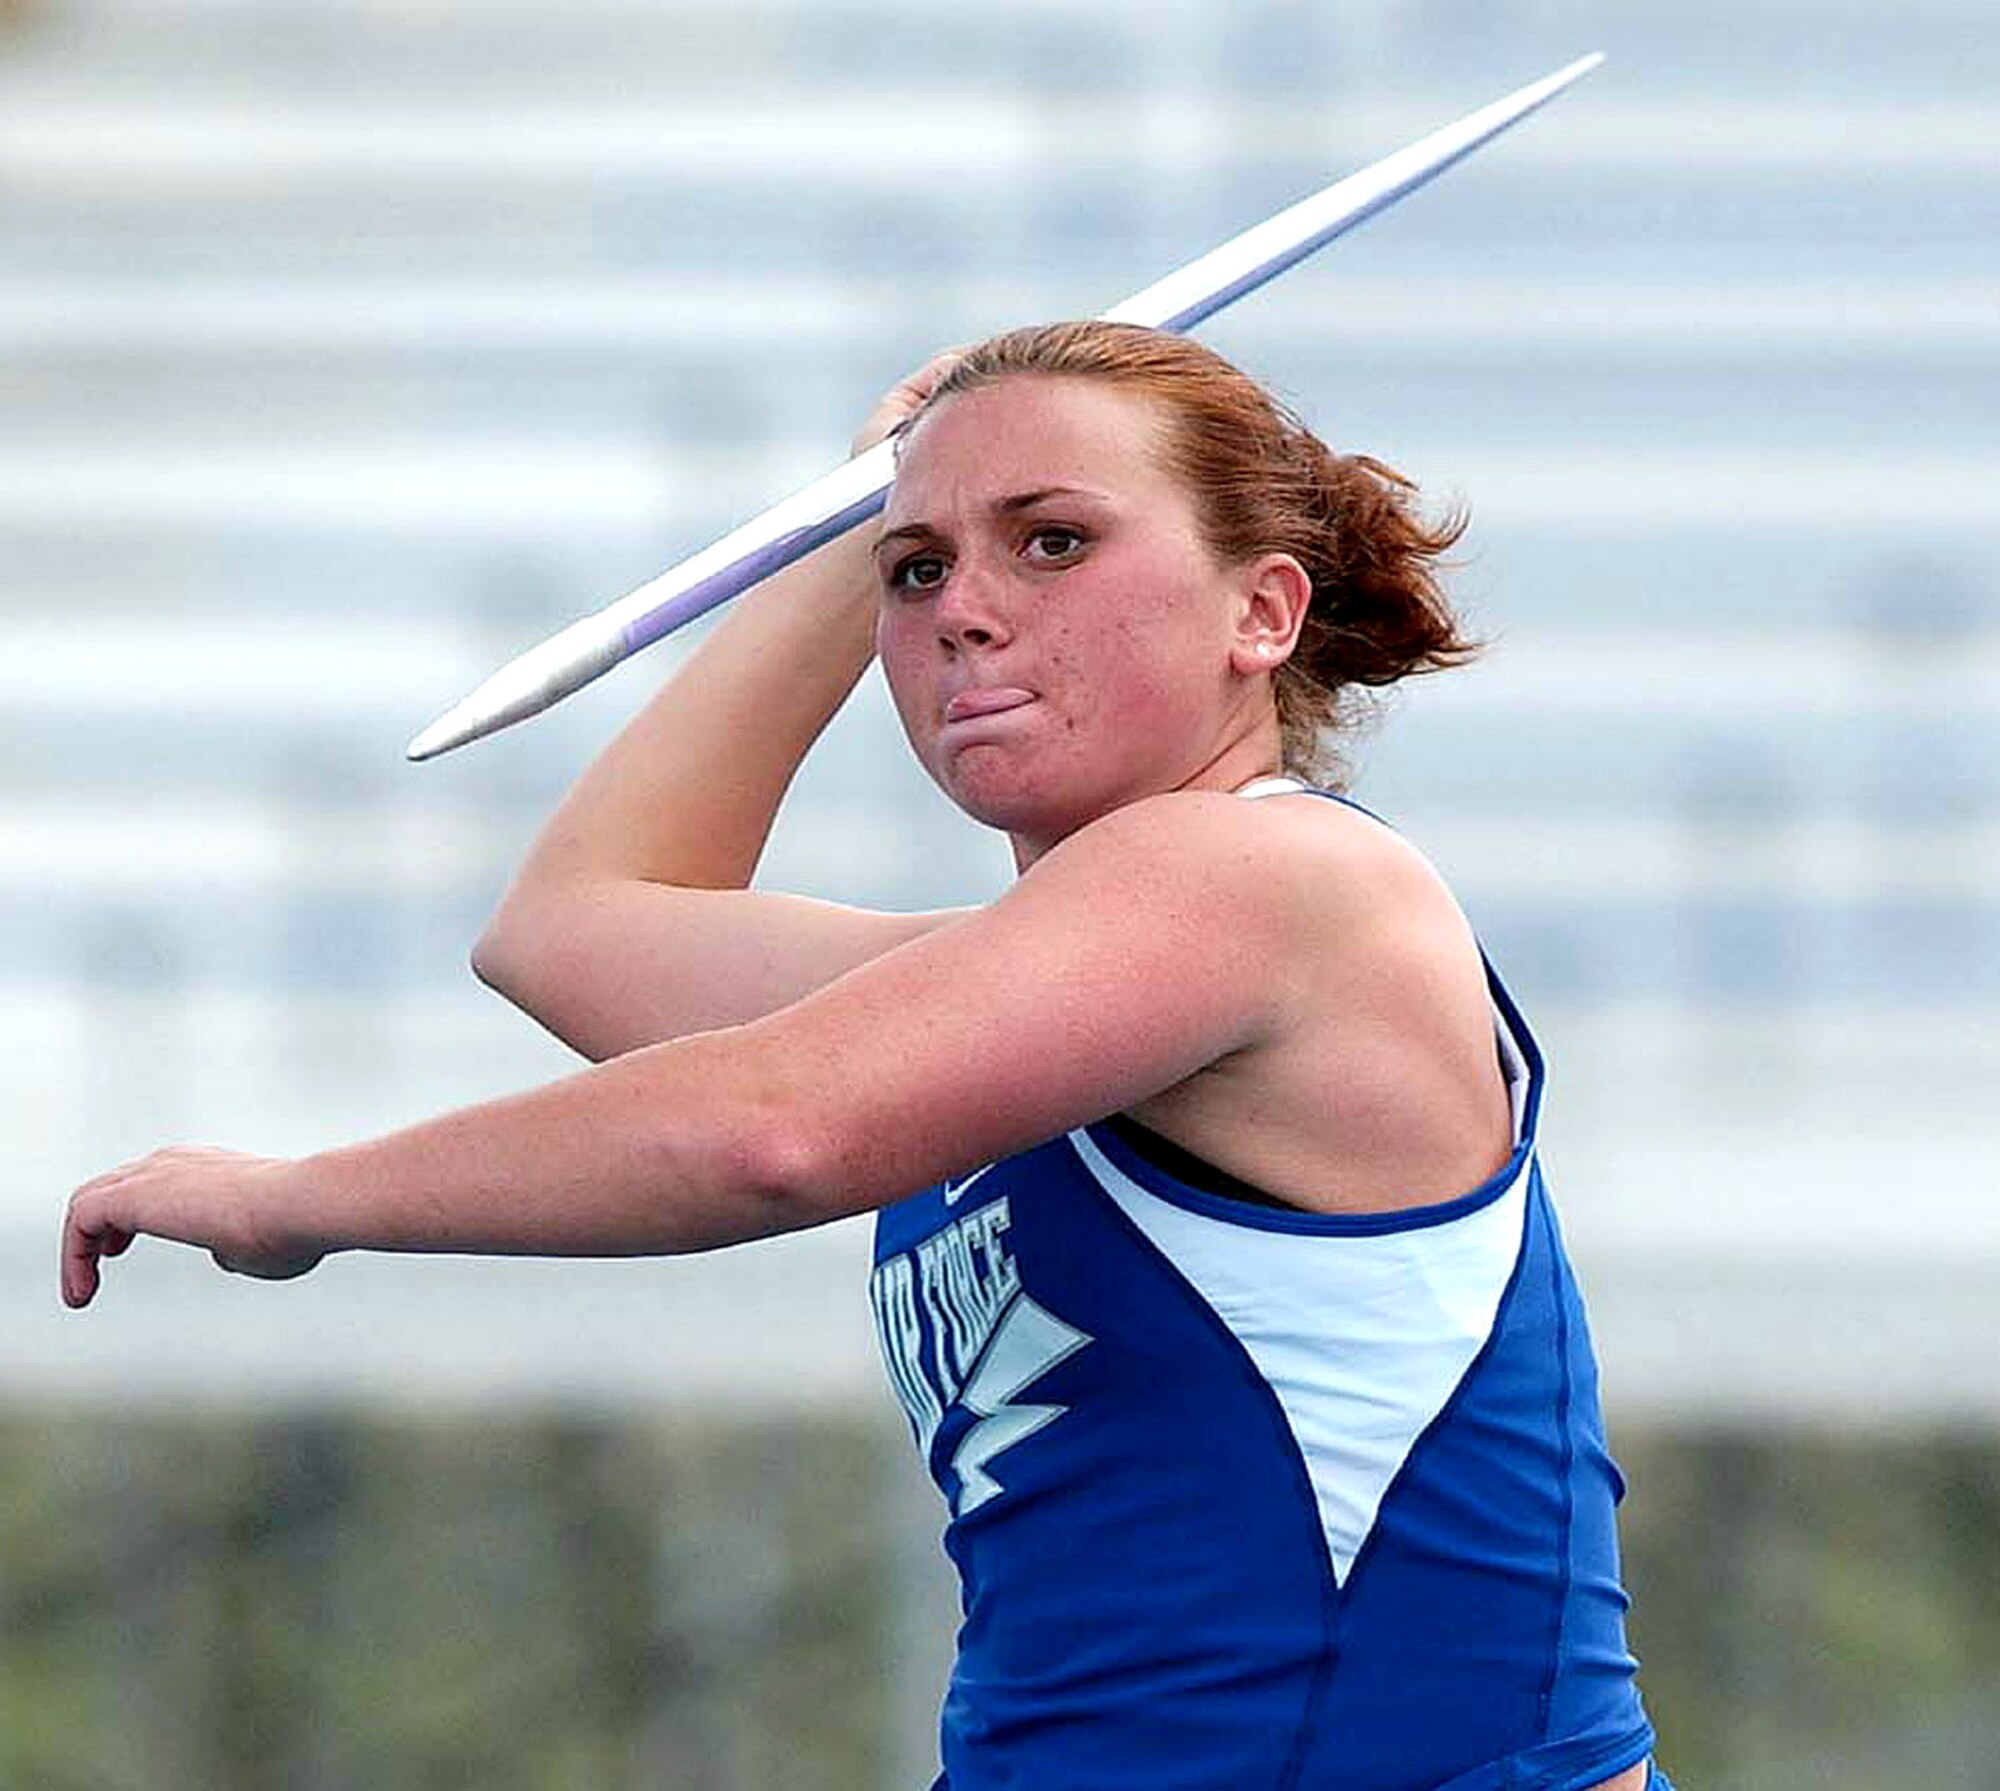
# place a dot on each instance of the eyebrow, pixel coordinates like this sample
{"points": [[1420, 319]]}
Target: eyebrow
{"points": [[1006, 506]]}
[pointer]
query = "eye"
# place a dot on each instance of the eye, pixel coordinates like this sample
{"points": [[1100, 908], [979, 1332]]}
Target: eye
{"points": [[917, 572], [1054, 541]]}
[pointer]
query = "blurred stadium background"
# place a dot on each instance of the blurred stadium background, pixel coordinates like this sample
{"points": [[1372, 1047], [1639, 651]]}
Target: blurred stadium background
{"points": [[347, 349]]}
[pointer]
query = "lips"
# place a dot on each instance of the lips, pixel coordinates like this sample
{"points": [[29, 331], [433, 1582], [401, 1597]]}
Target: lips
{"points": [[969, 705]]}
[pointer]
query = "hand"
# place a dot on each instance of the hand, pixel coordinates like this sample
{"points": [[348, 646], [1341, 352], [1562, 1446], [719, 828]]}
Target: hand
{"points": [[904, 399], [221, 1200]]}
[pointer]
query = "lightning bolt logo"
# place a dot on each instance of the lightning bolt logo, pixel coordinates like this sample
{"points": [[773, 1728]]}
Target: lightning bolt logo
{"points": [[1029, 1342]]}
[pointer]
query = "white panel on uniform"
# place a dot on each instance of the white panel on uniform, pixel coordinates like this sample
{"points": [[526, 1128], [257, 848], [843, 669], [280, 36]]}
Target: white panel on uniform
{"points": [[1361, 1336]]}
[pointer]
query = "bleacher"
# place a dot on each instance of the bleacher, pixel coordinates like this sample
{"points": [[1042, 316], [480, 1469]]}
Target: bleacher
{"points": [[344, 351]]}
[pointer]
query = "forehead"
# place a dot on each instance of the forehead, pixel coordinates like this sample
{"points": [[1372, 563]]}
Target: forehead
{"points": [[1027, 432]]}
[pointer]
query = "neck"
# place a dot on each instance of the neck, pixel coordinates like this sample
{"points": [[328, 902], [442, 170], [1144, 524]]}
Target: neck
{"points": [[1235, 764]]}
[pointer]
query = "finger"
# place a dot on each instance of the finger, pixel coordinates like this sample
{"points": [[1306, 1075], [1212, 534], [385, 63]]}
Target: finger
{"points": [[79, 1266], [90, 1234], [908, 396], [927, 378]]}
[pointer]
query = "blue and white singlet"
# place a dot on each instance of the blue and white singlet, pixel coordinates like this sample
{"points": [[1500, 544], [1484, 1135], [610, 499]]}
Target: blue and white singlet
{"points": [[1245, 1497]]}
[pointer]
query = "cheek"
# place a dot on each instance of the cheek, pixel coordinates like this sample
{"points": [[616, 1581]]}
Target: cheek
{"points": [[887, 632], [898, 646], [1128, 657], [901, 673]]}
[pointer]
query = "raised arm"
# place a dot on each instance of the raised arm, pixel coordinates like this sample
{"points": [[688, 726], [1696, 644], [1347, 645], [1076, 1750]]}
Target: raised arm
{"points": [[630, 920]]}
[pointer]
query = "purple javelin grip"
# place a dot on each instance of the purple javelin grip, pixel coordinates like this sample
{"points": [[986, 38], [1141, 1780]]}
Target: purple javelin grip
{"points": [[852, 493]]}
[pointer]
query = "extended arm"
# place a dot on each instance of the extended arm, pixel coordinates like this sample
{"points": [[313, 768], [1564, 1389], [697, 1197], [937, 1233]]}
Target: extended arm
{"points": [[1133, 955]]}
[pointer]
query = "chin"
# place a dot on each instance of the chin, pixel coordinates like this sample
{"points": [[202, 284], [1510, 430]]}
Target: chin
{"points": [[1000, 792], [997, 802]]}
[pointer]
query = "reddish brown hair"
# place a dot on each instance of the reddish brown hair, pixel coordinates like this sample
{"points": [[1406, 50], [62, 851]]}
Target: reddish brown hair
{"points": [[1262, 482]]}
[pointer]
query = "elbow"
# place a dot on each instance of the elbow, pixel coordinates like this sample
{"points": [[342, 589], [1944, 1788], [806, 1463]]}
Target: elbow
{"points": [[735, 1147], [525, 949], [498, 960], [522, 959], [789, 1168]]}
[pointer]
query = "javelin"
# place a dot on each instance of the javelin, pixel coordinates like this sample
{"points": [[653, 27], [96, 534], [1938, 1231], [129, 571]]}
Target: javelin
{"points": [[835, 503]]}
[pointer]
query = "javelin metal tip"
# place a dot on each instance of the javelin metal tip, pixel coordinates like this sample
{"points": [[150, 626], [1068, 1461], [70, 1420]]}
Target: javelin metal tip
{"points": [[439, 737], [527, 685]]}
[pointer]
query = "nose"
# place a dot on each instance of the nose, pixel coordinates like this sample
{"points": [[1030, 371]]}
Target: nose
{"points": [[971, 609]]}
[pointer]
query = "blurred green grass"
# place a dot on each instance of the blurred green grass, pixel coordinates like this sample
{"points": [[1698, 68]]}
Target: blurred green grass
{"points": [[402, 1604]]}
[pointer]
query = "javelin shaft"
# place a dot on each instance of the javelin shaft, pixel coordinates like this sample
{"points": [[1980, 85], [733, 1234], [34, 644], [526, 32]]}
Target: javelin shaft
{"points": [[831, 505]]}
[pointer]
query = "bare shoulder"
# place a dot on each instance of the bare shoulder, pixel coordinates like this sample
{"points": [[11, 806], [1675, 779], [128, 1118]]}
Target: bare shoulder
{"points": [[1370, 901], [1216, 834], [1327, 910], [1296, 855], [1200, 858], [1354, 859], [1371, 1079]]}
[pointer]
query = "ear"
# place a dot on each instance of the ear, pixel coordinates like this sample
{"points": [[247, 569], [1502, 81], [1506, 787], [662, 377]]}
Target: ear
{"points": [[1273, 592]]}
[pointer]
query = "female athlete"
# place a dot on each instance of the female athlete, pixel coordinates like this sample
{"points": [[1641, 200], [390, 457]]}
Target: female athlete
{"points": [[1214, 1269]]}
